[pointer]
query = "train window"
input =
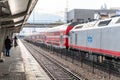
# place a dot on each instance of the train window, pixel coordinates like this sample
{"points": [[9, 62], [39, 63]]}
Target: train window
{"points": [[32, 37], [78, 27], [37, 37], [104, 23], [70, 39]]}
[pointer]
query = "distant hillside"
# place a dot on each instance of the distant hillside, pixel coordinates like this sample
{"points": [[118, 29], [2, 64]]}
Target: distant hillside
{"points": [[44, 18]]}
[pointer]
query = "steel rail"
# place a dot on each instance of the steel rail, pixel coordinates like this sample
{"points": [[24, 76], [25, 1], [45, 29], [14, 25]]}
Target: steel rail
{"points": [[33, 50]]}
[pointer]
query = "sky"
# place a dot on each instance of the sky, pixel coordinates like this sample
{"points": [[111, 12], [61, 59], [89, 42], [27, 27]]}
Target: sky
{"points": [[58, 7]]}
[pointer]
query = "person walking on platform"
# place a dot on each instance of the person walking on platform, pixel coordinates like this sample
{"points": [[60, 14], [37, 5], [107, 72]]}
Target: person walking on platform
{"points": [[8, 46], [15, 41]]}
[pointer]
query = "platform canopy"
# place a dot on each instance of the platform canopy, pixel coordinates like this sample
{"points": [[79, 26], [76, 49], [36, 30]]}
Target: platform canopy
{"points": [[14, 13]]}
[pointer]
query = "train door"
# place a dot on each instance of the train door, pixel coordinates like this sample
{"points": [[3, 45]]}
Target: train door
{"points": [[75, 39], [61, 40]]}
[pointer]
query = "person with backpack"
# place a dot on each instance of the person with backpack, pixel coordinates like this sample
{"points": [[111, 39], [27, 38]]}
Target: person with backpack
{"points": [[8, 46]]}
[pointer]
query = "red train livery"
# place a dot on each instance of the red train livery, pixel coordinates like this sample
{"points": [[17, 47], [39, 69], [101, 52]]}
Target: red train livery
{"points": [[58, 36]]}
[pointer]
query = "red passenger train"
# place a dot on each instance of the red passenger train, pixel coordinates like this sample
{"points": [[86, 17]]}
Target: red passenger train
{"points": [[56, 36]]}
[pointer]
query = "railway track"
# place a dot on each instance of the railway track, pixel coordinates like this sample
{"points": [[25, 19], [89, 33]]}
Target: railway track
{"points": [[55, 70]]}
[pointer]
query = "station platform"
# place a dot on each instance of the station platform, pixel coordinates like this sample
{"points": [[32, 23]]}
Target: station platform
{"points": [[21, 65]]}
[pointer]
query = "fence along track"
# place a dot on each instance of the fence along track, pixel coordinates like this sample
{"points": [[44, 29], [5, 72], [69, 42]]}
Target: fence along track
{"points": [[54, 70]]}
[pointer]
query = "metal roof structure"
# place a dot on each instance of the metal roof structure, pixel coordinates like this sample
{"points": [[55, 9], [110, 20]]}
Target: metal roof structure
{"points": [[14, 13]]}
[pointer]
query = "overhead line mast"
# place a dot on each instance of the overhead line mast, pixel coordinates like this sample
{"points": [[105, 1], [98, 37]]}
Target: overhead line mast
{"points": [[66, 12]]}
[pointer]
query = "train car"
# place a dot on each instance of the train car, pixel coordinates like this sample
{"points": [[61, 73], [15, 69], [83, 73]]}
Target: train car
{"points": [[58, 36], [40, 38], [102, 39], [28, 38], [36, 38]]}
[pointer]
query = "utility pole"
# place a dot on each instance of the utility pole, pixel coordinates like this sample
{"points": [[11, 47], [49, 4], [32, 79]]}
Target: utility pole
{"points": [[66, 12]]}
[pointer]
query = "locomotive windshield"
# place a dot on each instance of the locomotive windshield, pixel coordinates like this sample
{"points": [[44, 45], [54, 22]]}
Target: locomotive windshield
{"points": [[104, 23], [78, 27], [118, 21]]}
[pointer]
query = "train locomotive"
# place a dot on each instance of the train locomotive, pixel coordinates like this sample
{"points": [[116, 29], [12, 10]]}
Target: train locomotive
{"points": [[103, 39]]}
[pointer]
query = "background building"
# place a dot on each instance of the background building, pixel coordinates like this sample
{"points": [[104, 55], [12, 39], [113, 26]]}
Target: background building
{"points": [[85, 15]]}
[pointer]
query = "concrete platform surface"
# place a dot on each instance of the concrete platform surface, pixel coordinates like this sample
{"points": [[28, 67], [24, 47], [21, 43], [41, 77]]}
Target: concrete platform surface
{"points": [[21, 65]]}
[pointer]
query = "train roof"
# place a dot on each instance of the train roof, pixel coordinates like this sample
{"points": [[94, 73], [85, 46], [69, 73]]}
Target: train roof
{"points": [[58, 28], [85, 25], [61, 27], [97, 23]]}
